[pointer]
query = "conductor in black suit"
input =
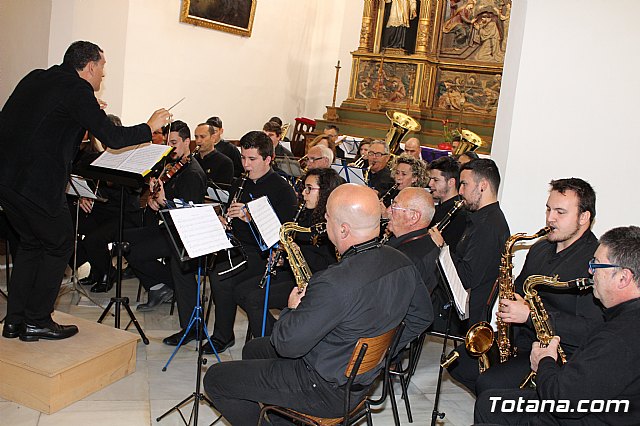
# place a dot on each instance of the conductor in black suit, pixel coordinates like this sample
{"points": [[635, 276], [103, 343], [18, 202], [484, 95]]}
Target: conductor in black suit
{"points": [[41, 127]]}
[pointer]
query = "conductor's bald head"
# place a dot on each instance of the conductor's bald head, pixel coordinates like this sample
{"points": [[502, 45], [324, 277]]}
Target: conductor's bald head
{"points": [[353, 216]]}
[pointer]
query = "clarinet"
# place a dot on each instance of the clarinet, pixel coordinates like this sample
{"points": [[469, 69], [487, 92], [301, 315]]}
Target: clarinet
{"points": [[445, 220], [243, 178], [234, 241], [270, 268]]}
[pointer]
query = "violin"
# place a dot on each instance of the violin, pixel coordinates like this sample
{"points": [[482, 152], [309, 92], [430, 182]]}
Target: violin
{"points": [[171, 170]]}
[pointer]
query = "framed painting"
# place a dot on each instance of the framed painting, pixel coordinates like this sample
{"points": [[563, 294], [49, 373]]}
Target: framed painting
{"points": [[232, 16]]}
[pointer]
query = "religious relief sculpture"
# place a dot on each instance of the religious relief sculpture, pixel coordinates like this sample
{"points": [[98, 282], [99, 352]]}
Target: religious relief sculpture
{"points": [[390, 83], [469, 92], [401, 12], [475, 29]]}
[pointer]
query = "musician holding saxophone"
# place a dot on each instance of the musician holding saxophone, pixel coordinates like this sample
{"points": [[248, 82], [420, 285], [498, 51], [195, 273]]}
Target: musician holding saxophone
{"points": [[601, 382], [317, 251], [571, 208]]}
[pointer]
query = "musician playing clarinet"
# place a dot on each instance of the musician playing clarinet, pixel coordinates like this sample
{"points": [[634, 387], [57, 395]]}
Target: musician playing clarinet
{"points": [[41, 128]]}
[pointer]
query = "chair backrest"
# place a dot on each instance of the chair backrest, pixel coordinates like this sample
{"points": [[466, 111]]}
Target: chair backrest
{"points": [[375, 350], [300, 129]]}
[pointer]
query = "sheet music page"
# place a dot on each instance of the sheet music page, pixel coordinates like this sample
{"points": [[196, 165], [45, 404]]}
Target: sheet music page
{"points": [[81, 186], [349, 145], [460, 294], [218, 195], [266, 220], [200, 230], [287, 145], [350, 174], [135, 159]]}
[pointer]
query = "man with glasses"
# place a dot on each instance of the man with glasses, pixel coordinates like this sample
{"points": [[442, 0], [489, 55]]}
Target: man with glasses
{"points": [[409, 216], [319, 157], [223, 146], [379, 177], [565, 252], [605, 368]]}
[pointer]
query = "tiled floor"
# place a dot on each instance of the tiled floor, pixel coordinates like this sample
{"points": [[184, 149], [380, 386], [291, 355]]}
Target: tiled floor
{"points": [[143, 396]]}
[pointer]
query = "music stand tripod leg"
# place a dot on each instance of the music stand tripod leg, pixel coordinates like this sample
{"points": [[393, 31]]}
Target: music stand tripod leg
{"points": [[119, 300], [436, 414], [196, 320]]}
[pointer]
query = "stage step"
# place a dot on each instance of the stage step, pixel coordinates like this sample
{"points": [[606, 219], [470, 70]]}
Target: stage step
{"points": [[49, 375]]}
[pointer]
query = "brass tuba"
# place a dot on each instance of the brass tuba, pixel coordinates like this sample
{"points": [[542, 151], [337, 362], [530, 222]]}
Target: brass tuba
{"points": [[401, 125], [467, 141], [539, 316]]}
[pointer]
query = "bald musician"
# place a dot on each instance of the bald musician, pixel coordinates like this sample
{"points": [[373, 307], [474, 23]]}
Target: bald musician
{"points": [[302, 364]]}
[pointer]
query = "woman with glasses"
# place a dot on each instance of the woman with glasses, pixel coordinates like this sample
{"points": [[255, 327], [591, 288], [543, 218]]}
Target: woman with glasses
{"points": [[318, 252]]}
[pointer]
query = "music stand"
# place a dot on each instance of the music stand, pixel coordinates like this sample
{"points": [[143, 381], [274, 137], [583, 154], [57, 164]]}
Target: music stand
{"points": [[436, 414], [178, 236], [350, 174]]}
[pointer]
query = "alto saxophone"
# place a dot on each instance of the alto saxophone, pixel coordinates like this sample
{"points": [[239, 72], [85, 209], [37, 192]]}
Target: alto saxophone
{"points": [[480, 337], [299, 267], [540, 317]]}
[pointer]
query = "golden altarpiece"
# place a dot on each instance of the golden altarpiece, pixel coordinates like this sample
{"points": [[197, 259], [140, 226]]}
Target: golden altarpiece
{"points": [[435, 60]]}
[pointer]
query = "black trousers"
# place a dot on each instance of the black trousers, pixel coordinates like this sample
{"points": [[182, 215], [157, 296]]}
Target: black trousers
{"points": [[227, 290], [147, 245], [507, 375], [236, 387], [251, 299], [465, 369], [46, 242]]}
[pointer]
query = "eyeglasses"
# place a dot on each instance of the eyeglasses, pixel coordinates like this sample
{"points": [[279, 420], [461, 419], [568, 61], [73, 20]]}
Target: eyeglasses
{"points": [[593, 265], [308, 189], [394, 206], [312, 159], [376, 154]]}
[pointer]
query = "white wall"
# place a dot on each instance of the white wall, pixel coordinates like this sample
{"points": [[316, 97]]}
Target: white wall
{"points": [[285, 68], [24, 40], [569, 108]]}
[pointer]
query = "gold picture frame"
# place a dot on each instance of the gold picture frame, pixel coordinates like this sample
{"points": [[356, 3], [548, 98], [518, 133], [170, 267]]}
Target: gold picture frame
{"points": [[232, 16]]}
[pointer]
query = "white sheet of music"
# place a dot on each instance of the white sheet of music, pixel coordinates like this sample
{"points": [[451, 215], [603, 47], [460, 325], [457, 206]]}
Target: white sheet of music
{"points": [[460, 294], [218, 195], [349, 174], [266, 220], [200, 230], [135, 159], [79, 187]]}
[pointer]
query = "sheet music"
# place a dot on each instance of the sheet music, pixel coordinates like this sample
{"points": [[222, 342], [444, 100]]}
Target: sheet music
{"points": [[200, 230], [135, 159], [460, 294], [287, 145], [79, 187], [266, 220], [218, 195], [350, 174]]}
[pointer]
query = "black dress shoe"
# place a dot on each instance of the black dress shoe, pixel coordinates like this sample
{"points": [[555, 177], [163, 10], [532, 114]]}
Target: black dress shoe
{"points": [[105, 285], [11, 331], [127, 273], [52, 331], [174, 339], [88, 280], [220, 347], [155, 298]]}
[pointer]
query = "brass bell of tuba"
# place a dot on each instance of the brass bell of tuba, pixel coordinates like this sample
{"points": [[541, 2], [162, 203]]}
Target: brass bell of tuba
{"points": [[467, 141], [401, 125]]}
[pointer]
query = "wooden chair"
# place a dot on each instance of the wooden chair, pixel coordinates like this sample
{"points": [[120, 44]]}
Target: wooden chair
{"points": [[300, 129], [368, 354]]}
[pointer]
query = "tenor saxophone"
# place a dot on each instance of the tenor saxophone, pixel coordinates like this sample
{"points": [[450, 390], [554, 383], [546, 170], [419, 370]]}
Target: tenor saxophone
{"points": [[540, 317]]}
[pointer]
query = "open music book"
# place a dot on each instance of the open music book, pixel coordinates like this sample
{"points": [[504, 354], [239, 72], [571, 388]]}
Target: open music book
{"points": [[266, 221], [450, 274], [79, 187], [350, 174], [138, 159]]}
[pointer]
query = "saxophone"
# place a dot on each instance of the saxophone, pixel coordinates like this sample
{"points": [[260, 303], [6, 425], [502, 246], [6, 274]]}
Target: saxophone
{"points": [[480, 337], [539, 316], [299, 266]]}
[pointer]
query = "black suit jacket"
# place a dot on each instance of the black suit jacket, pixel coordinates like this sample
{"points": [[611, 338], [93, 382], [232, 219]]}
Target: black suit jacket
{"points": [[41, 127]]}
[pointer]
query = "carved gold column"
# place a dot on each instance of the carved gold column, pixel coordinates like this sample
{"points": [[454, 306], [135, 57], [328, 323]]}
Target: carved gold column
{"points": [[422, 38], [367, 21]]}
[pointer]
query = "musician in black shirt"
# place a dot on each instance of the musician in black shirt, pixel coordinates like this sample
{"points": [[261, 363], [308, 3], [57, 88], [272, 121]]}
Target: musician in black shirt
{"points": [[444, 181], [565, 252], [600, 385], [226, 148], [379, 176], [317, 251], [302, 364], [217, 166]]}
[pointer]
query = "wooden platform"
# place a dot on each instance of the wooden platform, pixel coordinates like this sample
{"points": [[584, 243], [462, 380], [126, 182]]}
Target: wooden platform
{"points": [[49, 375]]}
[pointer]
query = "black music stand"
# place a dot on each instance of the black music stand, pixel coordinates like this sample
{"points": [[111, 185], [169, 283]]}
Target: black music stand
{"points": [[131, 180], [196, 320], [436, 414]]}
